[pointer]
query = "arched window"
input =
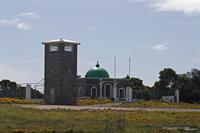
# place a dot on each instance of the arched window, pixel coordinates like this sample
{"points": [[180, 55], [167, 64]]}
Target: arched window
{"points": [[122, 93], [93, 92], [107, 90], [80, 91]]}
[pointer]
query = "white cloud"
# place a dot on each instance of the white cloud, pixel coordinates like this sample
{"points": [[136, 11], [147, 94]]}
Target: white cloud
{"points": [[30, 15], [21, 21], [15, 23], [158, 47], [188, 7], [9, 22], [22, 26]]}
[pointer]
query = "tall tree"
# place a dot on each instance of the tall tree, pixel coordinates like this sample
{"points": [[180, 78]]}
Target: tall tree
{"points": [[168, 78], [166, 84]]}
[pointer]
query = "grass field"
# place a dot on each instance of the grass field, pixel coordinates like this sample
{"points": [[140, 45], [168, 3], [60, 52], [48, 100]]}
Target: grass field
{"points": [[150, 103], [16, 119], [158, 104], [102, 101]]}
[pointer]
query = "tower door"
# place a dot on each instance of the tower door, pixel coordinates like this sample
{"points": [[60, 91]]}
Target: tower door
{"points": [[52, 96]]}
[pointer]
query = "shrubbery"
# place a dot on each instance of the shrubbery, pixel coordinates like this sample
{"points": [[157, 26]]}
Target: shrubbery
{"points": [[159, 104], [15, 101], [93, 101]]}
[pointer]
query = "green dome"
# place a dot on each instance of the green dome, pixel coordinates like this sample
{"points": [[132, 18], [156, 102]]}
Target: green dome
{"points": [[97, 72]]}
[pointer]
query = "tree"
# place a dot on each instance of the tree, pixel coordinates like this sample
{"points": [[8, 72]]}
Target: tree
{"points": [[137, 84], [167, 82], [189, 85], [168, 78], [140, 91], [194, 75], [4, 83], [4, 86], [185, 86], [12, 85], [8, 88]]}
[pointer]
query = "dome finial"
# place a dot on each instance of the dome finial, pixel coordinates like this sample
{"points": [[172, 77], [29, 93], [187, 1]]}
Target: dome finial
{"points": [[97, 65]]}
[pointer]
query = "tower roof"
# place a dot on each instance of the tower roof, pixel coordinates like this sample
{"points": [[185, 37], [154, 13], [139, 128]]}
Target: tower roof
{"points": [[97, 72], [61, 41]]}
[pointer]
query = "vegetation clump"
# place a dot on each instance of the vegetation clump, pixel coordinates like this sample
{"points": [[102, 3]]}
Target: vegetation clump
{"points": [[16, 101], [160, 104], [94, 101]]}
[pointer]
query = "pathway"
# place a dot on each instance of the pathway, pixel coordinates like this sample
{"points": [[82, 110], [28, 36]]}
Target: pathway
{"points": [[107, 108]]}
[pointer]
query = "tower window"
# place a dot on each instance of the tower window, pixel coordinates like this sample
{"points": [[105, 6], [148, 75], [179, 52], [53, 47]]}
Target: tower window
{"points": [[68, 48], [53, 48]]}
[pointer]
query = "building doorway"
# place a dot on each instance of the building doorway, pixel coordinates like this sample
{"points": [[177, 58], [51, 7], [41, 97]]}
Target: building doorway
{"points": [[122, 93], [93, 92], [107, 90], [80, 92]]}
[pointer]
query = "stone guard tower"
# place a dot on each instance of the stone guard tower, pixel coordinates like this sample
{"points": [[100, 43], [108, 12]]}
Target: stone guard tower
{"points": [[60, 71]]}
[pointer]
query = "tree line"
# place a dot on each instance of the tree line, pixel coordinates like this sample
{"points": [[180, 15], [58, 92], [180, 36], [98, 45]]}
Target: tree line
{"points": [[10, 89], [188, 84]]}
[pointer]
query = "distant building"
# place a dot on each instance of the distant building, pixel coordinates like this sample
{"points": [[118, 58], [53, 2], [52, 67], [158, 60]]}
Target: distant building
{"points": [[98, 84], [63, 86]]}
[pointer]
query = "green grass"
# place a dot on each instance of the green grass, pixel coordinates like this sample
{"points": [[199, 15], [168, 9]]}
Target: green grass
{"points": [[16, 119], [158, 104]]}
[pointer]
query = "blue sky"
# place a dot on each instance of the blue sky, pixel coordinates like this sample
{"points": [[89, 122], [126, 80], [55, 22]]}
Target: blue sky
{"points": [[155, 33]]}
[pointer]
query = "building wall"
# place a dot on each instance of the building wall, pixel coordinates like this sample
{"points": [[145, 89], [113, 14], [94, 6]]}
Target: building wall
{"points": [[87, 83]]}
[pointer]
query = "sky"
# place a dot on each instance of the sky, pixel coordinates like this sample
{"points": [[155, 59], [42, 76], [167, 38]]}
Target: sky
{"points": [[156, 34]]}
